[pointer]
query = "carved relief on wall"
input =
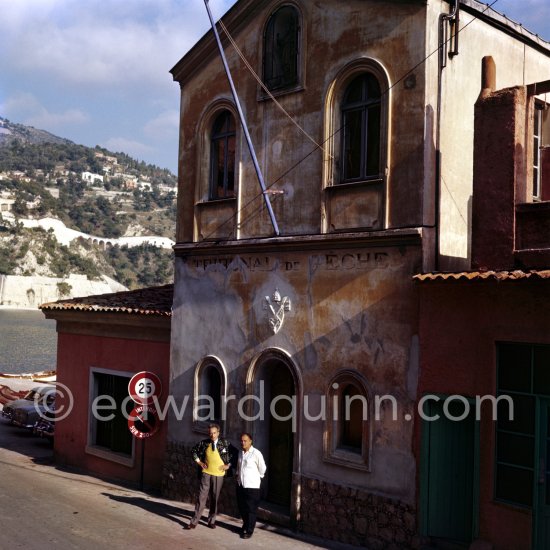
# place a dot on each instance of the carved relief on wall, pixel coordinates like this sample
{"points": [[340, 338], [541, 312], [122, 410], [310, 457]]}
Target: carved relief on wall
{"points": [[276, 308]]}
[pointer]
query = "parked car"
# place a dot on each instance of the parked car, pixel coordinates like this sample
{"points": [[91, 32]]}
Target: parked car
{"points": [[27, 411], [45, 426]]}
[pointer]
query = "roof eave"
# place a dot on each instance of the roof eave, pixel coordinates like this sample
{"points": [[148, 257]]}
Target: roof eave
{"points": [[205, 49]]}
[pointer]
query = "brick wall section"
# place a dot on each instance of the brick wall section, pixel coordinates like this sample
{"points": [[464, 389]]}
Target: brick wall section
{"points": [[499, 147], [180, 480], [354, 516]]}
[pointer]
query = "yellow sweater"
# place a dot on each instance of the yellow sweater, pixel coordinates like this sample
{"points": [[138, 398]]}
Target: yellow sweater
{"points": [[214, 461]]}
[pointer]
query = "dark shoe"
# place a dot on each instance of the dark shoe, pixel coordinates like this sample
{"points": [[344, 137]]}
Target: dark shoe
{"points": [[247, 535], [190, 526], [211, 525]]}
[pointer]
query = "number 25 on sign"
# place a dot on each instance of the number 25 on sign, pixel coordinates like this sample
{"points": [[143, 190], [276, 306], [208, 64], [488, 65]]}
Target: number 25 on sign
{"points": [[144, 386]]}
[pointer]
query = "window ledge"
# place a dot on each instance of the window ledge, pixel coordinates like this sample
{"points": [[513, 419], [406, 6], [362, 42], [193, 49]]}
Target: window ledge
{"points": [[347, 459], [262, 96], [206, 203], [106, 454], [513, 506], [353, 184]]}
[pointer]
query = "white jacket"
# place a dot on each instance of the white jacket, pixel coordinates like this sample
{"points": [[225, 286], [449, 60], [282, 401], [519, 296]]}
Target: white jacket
{"points": [[250, 468]]}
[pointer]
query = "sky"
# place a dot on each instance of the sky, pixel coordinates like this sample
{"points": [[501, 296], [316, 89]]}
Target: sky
{"points": [[97, 71]]}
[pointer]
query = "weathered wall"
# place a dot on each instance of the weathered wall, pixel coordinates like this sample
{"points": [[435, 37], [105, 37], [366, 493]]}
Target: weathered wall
{"points": [[459, 327], [329, 510], [353, 303], [517, 63], [336, 34], [500, 135], [399, 36], [77, 353], [351, 308]]}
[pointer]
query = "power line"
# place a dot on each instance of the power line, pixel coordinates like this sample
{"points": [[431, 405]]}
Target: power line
{"points": [[320, 146]]}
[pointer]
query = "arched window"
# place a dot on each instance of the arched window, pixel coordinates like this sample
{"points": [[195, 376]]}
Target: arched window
{"points": [[211, 386], [361, 129], [347, 432], [356, 156], [222, 157], [351, 415], [281, 49], [209, 394]]}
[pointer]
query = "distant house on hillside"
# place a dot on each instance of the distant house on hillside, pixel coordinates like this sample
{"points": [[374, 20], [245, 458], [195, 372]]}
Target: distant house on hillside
{"points": [[130, 182], [60, 170], [18, 175], [144, 185], [6, 204], [106, 158], [91, 178]]}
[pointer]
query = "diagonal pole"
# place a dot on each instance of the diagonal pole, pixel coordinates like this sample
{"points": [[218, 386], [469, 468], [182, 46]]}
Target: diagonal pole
{"points": [[243, 123]]}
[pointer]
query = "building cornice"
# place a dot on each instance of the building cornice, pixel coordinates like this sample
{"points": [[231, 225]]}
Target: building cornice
{"points": [[206, 49], [242, 11], [112, 325], [500, 21], [299, 243]]}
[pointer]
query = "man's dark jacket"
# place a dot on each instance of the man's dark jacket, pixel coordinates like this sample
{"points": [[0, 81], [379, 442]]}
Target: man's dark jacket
{"points": [[223, 446]]}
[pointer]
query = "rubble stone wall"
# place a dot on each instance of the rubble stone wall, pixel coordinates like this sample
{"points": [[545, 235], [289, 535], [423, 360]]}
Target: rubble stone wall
{"points": [[327, 510]]}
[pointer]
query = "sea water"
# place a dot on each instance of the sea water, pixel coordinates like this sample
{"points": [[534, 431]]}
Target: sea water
{"points": [[28, 341]]}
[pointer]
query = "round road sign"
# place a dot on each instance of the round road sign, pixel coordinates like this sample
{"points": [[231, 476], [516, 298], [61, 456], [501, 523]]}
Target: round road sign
{"points": [[143, 386], [143, 422]]}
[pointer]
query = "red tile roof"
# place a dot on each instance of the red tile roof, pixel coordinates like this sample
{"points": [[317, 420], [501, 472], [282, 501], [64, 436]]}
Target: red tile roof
{"points": [[465, 276], [143, 301]]}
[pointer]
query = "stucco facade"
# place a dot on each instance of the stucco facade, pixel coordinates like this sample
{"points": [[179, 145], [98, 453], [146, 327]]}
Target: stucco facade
{"points": [[482, 331], [102, 342], [326, 309]]}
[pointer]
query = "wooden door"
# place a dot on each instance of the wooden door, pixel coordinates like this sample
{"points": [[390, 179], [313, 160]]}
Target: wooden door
{"points": [[281, 439]]}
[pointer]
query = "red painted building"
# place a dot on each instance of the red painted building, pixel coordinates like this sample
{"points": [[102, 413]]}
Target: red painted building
{"points": [[484, 472], [102, 342]]}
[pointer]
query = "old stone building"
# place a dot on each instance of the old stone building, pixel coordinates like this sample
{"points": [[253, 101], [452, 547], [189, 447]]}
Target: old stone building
{"points": [[304, 332]]}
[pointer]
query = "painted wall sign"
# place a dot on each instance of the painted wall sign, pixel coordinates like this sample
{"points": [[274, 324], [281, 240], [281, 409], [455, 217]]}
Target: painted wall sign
{"points": [[327, 261]]}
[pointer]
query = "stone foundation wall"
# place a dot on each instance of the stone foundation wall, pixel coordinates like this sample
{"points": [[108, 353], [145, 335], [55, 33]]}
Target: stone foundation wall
{"points": [[354, 516], [327, 510], [180, 480]]}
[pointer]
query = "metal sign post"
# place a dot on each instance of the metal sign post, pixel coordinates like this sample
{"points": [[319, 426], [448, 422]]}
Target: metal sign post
{"points": [[144, 421]]}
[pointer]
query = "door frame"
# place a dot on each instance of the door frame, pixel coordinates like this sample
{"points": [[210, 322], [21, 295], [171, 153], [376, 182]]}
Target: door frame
{"points": [[256, 366]]}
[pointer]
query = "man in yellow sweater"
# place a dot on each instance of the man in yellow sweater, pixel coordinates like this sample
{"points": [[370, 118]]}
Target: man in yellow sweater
{"points": [[214, 458]]}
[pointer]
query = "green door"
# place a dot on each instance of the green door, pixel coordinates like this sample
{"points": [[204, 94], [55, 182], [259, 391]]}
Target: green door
{"points": [[449, 480], [542, 479]]}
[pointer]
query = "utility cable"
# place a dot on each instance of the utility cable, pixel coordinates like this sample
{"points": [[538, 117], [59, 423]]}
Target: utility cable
{"points": [[317, 146], [262, 84]]}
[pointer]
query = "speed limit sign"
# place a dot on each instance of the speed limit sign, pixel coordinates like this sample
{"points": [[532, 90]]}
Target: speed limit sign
{"points": [[143, 386]]}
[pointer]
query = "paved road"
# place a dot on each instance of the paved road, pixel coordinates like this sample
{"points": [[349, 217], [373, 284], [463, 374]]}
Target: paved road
{"points": [[42, 506]]}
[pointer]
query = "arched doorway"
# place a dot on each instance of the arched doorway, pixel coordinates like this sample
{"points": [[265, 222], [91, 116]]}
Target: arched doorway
{"points": [[274, 377]]}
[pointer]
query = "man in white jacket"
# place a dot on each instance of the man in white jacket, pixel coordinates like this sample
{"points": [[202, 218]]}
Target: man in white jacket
{"points": [[250, 471]]}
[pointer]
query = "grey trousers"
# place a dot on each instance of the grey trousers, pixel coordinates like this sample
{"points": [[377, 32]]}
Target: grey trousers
{"points": [[211, 486]]}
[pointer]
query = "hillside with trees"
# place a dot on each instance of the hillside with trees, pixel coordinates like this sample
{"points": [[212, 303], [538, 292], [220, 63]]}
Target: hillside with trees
{"points": [[92, 190]]}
